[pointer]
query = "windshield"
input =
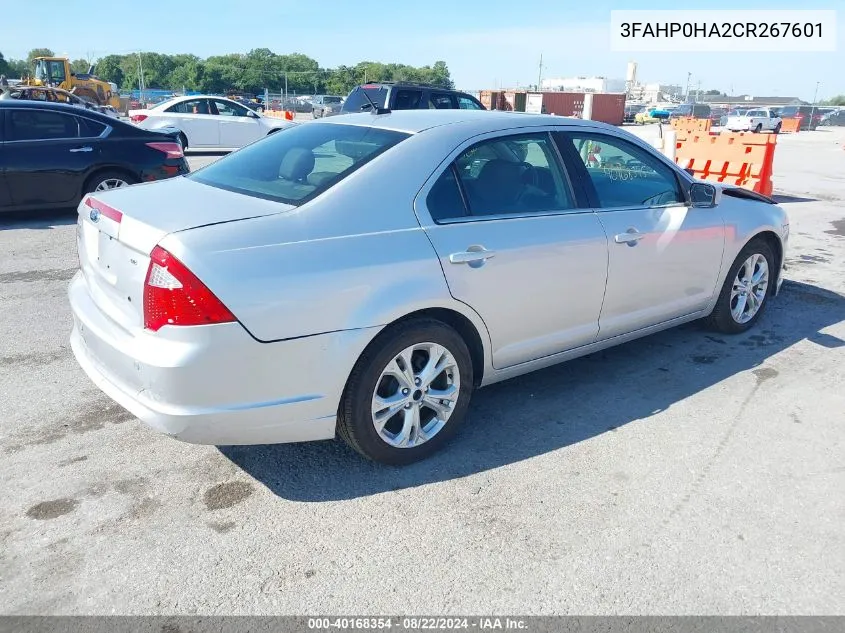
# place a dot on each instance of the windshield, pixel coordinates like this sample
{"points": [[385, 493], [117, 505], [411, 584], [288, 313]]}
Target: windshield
{"points": [[300, 162], [40, 70], [331, 99]]}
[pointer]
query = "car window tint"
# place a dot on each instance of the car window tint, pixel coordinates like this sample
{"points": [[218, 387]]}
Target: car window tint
{"points": [[194, 106], [32, 125], [230, 109], [407, 100], [444, 201], [300, 162], [90, 129], [465, 103], [624, 175], [513, 174]]}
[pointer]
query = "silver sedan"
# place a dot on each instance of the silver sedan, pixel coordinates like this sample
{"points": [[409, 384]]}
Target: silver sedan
{"points": [[362, 275]]}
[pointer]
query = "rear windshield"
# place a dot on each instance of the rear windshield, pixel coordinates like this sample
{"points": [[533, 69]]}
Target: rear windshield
{"points": [[357, 102], [300, 162], [331, 99]]}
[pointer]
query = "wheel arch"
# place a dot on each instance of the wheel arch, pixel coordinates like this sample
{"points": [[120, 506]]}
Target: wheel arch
{"points": [[105, 169]]}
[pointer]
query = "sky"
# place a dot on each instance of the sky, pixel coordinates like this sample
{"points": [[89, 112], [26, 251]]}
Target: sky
{"points": [[486, 43]]}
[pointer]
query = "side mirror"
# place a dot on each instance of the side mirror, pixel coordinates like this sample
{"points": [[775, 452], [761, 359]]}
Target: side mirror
{"points": [[702, 195]]}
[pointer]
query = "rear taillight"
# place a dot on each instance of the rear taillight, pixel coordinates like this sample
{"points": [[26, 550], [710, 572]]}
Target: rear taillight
{"points": [[171, 150], [137, 118], [174, 296]]}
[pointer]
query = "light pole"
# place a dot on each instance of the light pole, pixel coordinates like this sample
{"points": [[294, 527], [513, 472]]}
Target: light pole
{"points": [[813, 111], [686, 94]]}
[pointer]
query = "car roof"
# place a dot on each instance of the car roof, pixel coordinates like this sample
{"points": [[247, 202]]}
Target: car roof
{"points": [[61, 107], [415, 121]]}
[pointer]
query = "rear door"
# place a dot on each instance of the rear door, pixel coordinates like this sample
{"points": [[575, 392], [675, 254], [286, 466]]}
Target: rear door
{"points": [[196, 119], [516, 247], [442, 101], [53, 154], [236, 127]]}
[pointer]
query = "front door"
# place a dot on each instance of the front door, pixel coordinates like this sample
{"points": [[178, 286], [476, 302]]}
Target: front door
{"points": [[237, 127], [51, 156], [665, 256], [514, 246]]}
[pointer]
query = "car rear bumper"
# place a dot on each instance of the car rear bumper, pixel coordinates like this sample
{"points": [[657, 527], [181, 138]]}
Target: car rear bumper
{"points": [[215, 384], [170, 168]]}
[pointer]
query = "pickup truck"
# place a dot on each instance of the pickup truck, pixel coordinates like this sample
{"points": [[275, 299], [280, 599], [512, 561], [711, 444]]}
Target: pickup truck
{"points": [[755, 121]]}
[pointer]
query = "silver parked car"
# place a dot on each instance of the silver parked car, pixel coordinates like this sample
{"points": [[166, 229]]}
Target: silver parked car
{"points": [[326, 105], [364, 274]]}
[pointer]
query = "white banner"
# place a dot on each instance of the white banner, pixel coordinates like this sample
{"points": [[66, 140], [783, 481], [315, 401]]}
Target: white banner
{"points": [[759, 30]]}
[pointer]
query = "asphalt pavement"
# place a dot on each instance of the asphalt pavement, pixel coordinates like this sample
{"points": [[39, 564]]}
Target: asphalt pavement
{"points": [[685, 473]]}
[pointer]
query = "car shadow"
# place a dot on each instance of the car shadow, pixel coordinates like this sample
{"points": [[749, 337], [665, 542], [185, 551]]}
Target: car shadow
{"points": [[557, 407], [783, 198], [37, 219]]}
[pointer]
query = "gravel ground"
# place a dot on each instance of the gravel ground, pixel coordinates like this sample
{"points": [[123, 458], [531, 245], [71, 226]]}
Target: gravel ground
{"points": [[685, 473]]}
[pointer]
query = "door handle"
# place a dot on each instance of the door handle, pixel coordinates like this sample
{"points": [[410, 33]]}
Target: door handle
{"points": [[473, 255], [82, 149], [630, 238]]}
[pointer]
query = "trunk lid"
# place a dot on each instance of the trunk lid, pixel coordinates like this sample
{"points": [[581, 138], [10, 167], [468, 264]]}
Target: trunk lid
{"points": [[117, 230]]}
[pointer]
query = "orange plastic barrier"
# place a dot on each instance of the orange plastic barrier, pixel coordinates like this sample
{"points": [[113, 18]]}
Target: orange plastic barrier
{"points": [[689, 123], [739, 159], [789, 125], [280, 114]]}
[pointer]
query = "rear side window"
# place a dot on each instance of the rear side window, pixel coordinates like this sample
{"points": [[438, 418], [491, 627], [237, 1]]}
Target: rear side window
{"points": [[195, 106], [90, 129], [298, 163], [407, 99], [40, 125], [465, 102], [441, 101]]}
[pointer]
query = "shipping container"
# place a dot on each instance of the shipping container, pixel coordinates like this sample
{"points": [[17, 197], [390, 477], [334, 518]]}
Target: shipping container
{"points": [[608, 108], [563, 103], [519, 102], [492, 99], [534, 102]]}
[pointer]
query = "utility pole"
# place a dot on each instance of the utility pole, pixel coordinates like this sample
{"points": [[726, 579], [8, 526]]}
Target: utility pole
{"points": [[686, 94], [698, 93], [140, 80], [540, 74], [815, 97]]}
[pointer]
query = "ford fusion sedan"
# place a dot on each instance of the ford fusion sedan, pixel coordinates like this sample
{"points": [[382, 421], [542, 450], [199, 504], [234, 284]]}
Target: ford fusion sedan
{"points": [[206, 122], [362, 275], [52, 154]]}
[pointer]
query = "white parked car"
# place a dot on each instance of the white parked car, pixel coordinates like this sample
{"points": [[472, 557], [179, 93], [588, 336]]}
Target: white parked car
{"points": [[758, 120], [208, 122]]}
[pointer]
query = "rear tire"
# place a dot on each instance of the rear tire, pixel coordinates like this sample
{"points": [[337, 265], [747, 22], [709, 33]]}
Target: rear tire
{"points": [[108, 179], [759, 128], [387, 404], [777, 128], [732, 313]]}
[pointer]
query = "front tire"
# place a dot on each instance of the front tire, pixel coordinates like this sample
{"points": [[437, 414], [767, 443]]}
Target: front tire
{"points": [[777, 128], [408, 393], [746, 290]]}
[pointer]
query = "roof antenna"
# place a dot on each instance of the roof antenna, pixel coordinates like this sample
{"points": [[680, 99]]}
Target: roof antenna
{"points": [[375, 108]]}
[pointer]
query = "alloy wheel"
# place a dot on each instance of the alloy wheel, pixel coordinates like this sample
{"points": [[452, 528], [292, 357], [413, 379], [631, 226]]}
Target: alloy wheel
{"points": [[415, 395], [749, 288], [111, 183]]}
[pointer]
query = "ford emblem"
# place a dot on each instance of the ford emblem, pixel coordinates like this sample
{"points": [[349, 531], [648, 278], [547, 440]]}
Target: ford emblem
{"points": [[94, 215]]}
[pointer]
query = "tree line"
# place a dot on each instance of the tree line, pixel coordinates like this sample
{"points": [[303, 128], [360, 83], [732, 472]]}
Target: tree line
{"points": [[250, 72]]}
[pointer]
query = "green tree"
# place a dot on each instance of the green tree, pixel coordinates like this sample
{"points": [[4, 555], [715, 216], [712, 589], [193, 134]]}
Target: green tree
{"points": [[109, 68], [4, 66], [39, 52], [78, 66], [838, 100]]}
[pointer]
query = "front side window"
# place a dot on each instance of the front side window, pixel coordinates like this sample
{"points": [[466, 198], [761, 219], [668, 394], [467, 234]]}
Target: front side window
{"points": [[505, 175], [300, 162], [624, 175], [224, 108], [40, 125]]}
